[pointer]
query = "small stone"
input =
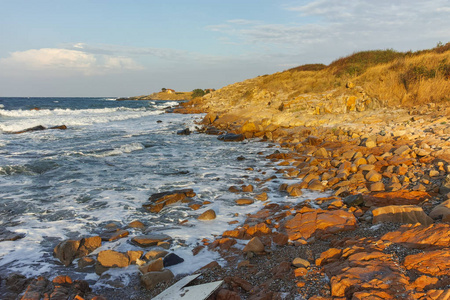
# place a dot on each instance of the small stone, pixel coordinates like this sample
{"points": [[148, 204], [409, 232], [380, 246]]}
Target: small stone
{"points": [[195, 206], [300, 272], [154, 254], [136, 224], [262, 197], [244, 201], [247, 188], [377, 187], [300, 262], [210, 214]]}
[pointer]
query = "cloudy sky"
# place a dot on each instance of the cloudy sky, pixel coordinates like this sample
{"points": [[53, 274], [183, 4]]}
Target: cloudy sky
{"points": [[135, 47]]}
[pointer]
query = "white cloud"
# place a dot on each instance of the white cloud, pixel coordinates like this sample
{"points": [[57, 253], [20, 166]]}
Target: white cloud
{"points": [[65, 61]]}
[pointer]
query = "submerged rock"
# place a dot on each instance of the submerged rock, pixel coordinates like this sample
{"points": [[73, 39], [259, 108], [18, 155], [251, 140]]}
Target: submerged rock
{"points": [[159, 200], [231, 137]]}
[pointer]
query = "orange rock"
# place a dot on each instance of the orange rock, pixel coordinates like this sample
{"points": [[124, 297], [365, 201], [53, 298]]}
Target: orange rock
{"points": [[435, 263], [401, 197], [61, 279], [401, 214], [424, 282], [244, 201], [435, 235], [300, 272], [309, 221], [329, 256], [258, 230]]}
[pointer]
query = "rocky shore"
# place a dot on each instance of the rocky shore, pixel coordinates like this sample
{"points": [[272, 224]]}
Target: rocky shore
{"points": [[382, 233]]}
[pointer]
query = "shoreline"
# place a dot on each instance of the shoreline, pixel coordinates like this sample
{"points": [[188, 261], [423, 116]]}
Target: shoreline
{"points": [[314, 153]]}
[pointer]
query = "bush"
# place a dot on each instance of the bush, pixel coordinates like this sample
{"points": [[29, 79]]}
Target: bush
{"points": [[197, 93]]}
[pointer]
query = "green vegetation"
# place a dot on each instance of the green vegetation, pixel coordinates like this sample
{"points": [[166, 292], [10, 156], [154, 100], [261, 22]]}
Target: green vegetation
{"points": [[197, 93]]}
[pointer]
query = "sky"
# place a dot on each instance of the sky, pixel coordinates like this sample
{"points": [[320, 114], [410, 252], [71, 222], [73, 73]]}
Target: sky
{"points": [[121, 48]]}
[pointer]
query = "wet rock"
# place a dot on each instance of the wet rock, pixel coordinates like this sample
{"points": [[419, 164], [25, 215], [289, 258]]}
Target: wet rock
{"points": [[210, 214], [172, 259], [445, 187], [85, 262], [151, 279], [134, 256], [16, 282], [36, 289], [154, 254], [244, 201], [112, 235], [112, 259], [406, 214], [247, 188], [136, 224], [68, 250], [254, 245], [185, 131], [159, 200], [231, 137], [150, 239], [6, 235], [234, 189], [262, 197], [152, 266], [318, 222]]}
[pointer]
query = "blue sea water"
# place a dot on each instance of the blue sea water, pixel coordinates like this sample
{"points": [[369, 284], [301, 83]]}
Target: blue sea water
{"points": [[67, 184]]}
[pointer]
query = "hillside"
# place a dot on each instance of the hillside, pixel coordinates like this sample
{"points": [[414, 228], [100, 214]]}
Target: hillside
{"points": [[359, 82]]}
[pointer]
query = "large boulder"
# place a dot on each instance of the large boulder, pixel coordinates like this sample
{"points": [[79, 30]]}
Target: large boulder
{"points": [[406, 214]]}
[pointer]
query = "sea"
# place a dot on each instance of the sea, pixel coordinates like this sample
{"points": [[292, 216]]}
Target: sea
{"points": [[68, 184]]}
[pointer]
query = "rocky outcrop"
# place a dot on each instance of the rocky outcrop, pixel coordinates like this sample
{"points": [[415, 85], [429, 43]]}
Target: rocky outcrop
{"points": [[68, 250], [159, 200]]}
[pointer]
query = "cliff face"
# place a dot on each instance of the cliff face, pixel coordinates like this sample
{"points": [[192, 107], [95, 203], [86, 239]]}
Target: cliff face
{"points": [[323, 94]]}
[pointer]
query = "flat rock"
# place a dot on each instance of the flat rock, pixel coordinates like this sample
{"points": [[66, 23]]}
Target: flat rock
{"points": [[113, 235], [112, 259], [309, 222], [150, 239], [421, 237], [406, 214], [435, 263], [244, 201], [401, 197]]}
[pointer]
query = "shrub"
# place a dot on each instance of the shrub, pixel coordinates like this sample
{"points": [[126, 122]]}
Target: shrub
{"points": [[197, 93]]}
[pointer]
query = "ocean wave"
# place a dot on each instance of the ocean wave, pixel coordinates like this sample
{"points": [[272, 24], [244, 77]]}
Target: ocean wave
{"points": [[38, 167], [18, 120], [128, 148]]}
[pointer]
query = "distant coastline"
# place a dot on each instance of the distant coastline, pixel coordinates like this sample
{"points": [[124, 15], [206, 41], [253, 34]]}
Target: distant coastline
{"points": [[162, 96]]}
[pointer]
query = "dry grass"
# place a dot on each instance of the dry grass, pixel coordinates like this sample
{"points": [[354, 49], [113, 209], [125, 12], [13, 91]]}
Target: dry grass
{"points": [[396, 78]]}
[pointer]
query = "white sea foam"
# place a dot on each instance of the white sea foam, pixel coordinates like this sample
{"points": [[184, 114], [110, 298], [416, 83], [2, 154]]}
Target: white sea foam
{"points": [[17, 120]]}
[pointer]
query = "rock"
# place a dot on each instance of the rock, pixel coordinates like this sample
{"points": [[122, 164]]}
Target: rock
{"points": [[354, 200], [249, 127], [377, 187], [300, 263], [401, 197], [36, 289], [234, 189], [85, 262], [60, 127], [112, 259], [441, 211], [402, 151], [134, 256], [247, 188], [321, 152], [262, 197], [244, 201], [195, 206], [185, 131], [373, 176], [409, 214], [420, 237], [159, 200], [114, 235], [151, 279], [68, 250], [309, 222], [6, 235], [210, 214], [172, 259], [445, 187], [254, 245], [154, 254], [225, 294], [434, 263], [136, 224], [35, 128], [152, 266], [231, 137], [150, 239]]}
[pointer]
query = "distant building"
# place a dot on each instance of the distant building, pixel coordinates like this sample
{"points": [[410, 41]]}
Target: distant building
{"points": [[170, 91]]}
